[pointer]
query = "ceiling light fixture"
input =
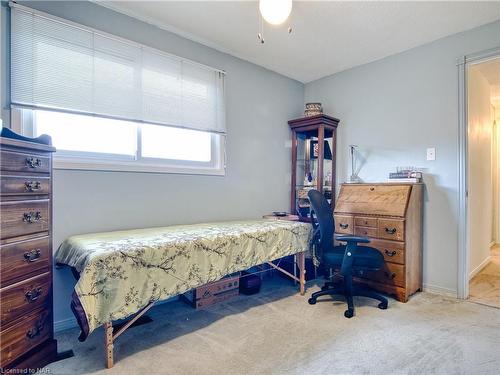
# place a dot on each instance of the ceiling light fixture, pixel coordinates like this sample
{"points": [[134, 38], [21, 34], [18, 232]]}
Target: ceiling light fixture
{"points": [[275, 12]]}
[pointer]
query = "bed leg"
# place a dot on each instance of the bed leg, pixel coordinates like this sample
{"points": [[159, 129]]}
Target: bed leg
{"points": [[108, 343], [301, 260]]}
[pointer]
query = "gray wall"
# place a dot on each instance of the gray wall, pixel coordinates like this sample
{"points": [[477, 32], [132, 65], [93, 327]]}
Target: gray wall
{"points": [[259, 103], [394, 109]]}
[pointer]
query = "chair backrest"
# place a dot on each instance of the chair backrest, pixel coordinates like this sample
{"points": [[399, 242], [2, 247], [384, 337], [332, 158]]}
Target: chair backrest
{"points": [[322, 211]]}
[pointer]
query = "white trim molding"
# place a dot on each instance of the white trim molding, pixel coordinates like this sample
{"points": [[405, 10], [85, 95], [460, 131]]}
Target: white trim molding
{"points": [[463, 64], [479, 268], [434, 289], [63, 325]]}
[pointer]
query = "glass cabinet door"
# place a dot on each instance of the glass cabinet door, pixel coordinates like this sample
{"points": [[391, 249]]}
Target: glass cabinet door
{"points": [[313, 170]]}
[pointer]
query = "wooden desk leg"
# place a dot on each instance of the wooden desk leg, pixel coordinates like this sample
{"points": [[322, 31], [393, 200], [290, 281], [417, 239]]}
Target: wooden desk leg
{"points": [[301, 260], [108, 343]]}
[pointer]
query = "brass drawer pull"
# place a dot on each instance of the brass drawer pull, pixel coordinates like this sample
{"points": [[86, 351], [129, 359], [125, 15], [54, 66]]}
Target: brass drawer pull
{"points": [[35, 331], [390, 275], [33, 185], [34, 294], [33, 162], [32, 255], [390, 230], [344, 226], [32, 217], [390, 253]]}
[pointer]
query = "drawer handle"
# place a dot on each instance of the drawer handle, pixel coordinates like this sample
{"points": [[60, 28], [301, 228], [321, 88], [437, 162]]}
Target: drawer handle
{"points": [[344, 226], [32, 255], [35, 331], [32, 217], [390, 230], [390, 253], [390, 275], [33, 162], [33, 185], [33, 295]]}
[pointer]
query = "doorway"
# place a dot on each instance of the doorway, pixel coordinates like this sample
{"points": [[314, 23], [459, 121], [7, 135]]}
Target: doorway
{"points": [[479, 232]]}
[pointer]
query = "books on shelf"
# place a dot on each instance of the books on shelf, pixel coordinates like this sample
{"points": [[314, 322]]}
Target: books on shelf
{"points": [[409, 176], [408, 180]]}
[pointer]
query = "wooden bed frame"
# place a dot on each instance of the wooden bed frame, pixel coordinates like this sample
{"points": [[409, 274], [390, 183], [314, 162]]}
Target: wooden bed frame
{"points": [[110, 336]]}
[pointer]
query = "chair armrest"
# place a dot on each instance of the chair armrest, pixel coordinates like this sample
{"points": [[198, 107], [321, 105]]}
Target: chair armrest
{"points": [[353, 239]]}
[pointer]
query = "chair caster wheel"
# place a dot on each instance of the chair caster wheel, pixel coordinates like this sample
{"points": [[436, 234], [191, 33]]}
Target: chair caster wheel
{"points": [[312, 301], [349, 313], [382, 306]]}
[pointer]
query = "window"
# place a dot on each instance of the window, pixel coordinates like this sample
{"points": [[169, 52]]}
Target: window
{"points": [[113, 104], [89, 142]]}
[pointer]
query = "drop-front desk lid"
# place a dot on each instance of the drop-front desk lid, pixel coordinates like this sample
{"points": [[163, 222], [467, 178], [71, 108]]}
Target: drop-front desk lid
{"points": [[385, 199]]}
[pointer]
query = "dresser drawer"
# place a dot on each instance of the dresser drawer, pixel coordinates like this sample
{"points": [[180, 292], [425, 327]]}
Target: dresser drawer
{"points": [[365, 231], [30, 185], [21, 218], [23, 259], [392, 229], [30, 331], [344, 224], [391, 250], [24, 162], [23, 297], [391, 274], [366, 221]]}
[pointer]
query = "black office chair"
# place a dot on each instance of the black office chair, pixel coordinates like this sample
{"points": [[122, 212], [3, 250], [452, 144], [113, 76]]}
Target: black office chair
{"points": [[351, 259]]}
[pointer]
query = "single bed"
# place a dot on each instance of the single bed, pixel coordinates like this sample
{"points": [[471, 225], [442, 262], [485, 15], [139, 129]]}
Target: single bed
{"points": [[123, 273]]}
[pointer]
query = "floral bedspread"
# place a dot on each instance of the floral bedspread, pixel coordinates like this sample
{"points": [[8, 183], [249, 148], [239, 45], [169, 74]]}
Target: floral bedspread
{"points": [[121, 272]]}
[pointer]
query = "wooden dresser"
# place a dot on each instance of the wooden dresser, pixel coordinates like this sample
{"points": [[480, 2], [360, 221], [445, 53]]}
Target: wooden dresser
{"points": [[26, 317], [391, 216]]}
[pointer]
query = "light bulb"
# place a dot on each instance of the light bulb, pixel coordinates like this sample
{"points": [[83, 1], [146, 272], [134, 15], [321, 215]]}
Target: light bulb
{"points": [[275, 11]]}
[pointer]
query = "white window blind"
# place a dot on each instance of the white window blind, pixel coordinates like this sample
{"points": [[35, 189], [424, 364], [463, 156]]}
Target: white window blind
{"points": [[58, 65]]}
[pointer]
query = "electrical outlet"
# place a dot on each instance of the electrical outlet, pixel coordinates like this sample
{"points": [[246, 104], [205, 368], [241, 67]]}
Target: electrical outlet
{"points": [[431, 153]]}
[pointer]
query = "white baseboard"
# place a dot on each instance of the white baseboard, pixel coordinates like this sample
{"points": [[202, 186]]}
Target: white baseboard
{"points": [[434, 289], [62, 325], [478, 269]]}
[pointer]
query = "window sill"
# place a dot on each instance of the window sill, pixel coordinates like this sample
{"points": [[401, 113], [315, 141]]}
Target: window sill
{"points": [[136, 167]]}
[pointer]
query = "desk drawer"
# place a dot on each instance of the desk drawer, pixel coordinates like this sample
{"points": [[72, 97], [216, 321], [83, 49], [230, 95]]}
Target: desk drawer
{"points": [[30, 185], [344, 224], [392, 229], [24, 162], [23, 259], [30, 331], [366, 221], [21, 218], [23, 297], [390, 274], [365, 232], [391, 250]]}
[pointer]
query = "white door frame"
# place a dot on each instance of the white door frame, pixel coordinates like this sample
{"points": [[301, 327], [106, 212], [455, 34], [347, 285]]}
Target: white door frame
{"points": [[463, 64]]}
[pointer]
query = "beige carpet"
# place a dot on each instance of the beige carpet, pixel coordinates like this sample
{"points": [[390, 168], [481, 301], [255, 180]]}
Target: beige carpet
{"points": [[485, 286], [277, 332]]}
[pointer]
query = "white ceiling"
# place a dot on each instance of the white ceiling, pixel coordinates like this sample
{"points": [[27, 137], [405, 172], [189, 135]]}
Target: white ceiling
{"points": [[327, 36], [491, 71]]}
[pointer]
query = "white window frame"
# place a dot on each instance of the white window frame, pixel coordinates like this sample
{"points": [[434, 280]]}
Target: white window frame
{"points": [[23, 122]]}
